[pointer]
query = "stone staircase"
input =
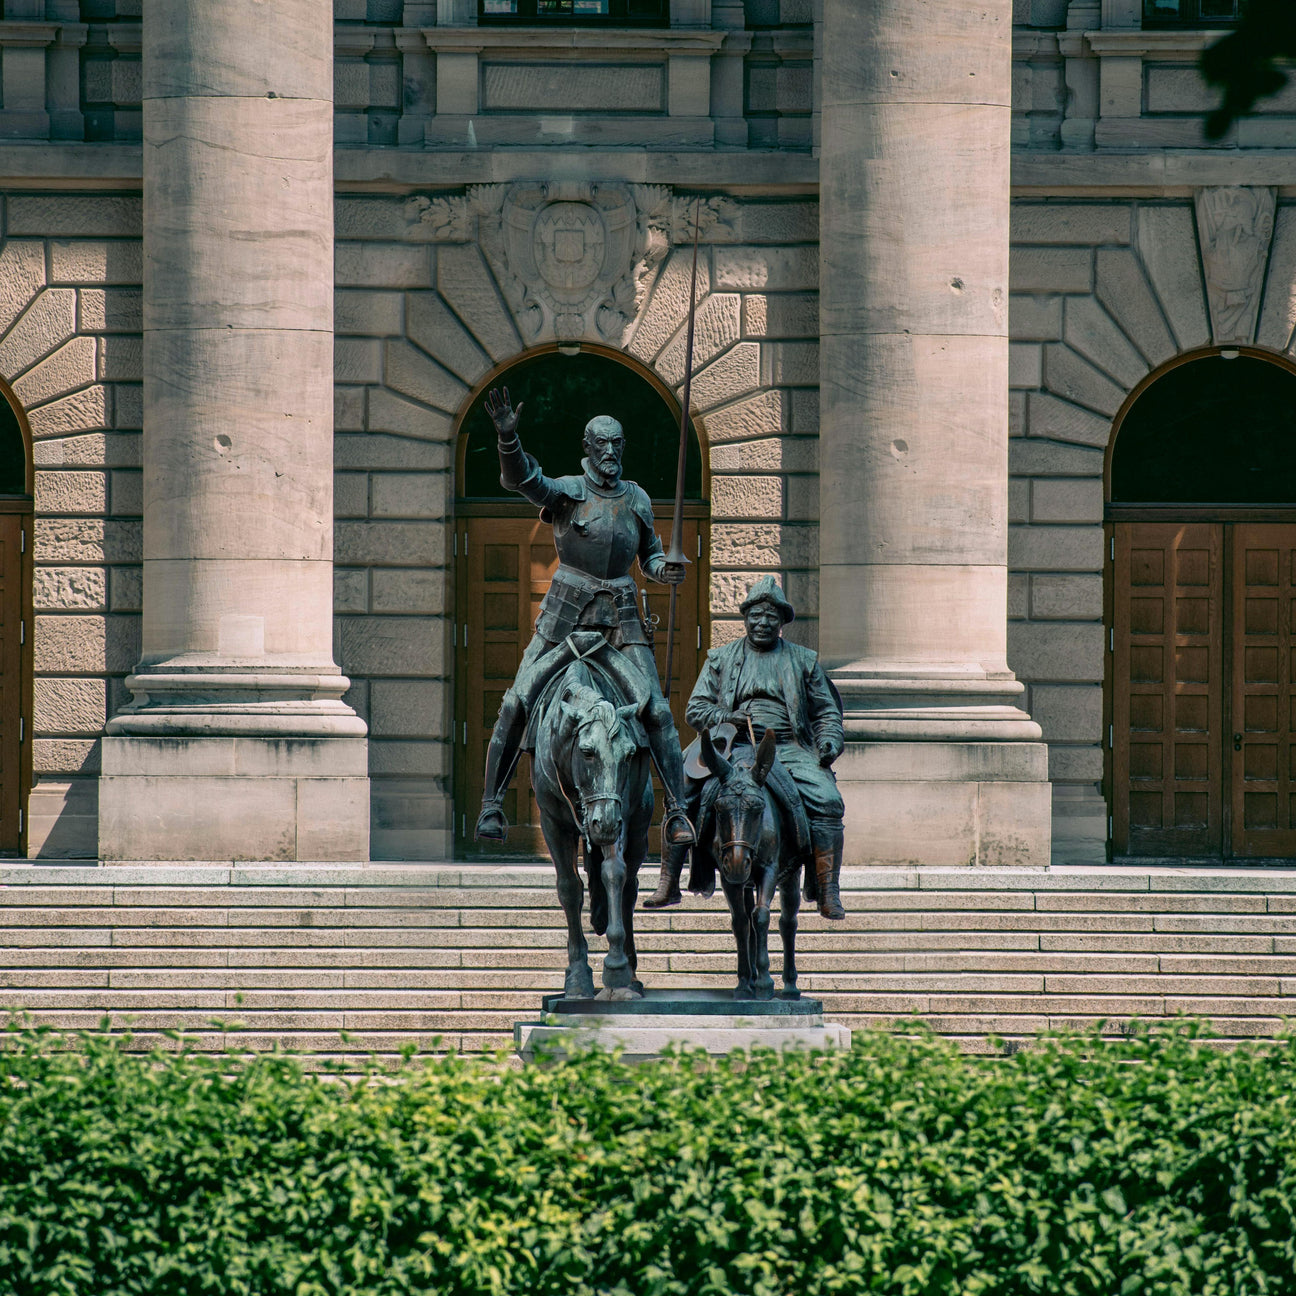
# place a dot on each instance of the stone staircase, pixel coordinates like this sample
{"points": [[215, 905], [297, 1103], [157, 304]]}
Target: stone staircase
{"points": [[348, 961]]}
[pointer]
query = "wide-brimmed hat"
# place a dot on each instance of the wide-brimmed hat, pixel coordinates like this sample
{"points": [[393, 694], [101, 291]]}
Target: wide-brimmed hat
{"points": [[768, 590]]}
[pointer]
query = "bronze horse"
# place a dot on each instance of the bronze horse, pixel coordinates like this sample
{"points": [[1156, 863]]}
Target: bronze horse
{"points": [[590, 772], [747, 844]]}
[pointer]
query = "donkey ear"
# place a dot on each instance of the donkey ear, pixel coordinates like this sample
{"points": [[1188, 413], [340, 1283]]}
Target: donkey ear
{"points": [[625, 713], [711, 758], [570, 714], [764, 759]]}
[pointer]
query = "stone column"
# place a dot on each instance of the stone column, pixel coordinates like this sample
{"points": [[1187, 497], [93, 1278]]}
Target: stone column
{"points": [[914, 189], [237, 744]]}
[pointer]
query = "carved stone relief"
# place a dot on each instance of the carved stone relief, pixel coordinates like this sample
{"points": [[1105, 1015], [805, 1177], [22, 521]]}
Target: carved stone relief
{"points": [[1234, 228], [573, 258]]}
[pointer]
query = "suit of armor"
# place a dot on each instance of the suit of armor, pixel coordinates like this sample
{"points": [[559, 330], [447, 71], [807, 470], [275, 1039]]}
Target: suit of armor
{"points": [[601, 526]]}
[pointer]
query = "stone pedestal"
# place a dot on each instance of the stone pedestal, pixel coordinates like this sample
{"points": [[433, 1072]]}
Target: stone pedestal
{"points": [[914, 231], [237, 730], [703, 1019]]}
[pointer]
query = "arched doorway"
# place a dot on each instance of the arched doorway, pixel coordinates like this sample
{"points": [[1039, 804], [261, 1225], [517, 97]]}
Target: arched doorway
{"points": [[504, 555], [1201, 611], [15, 622]]}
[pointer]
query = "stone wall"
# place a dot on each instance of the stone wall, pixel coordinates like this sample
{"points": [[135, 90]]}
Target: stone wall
{"points": [[70, 347], [1104, 292], [420, 321]]}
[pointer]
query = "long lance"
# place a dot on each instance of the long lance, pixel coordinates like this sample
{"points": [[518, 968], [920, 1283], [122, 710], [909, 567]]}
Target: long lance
{"points": [[675, 554]]}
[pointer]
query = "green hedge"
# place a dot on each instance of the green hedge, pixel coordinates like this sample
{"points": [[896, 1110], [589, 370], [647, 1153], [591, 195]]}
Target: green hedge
{"points": [[1151, 1164]]}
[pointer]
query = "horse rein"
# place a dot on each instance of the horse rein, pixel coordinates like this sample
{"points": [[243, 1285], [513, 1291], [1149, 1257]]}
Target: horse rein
{"points": [[579, 815]]}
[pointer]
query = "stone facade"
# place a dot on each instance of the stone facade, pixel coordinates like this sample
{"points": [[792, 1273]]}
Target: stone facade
{"points": [[444, 130]]}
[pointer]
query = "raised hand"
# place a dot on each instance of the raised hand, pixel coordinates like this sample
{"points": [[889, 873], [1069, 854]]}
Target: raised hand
{"points": [[502, 414]]}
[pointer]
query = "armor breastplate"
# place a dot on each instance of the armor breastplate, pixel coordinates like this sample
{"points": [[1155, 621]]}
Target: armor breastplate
{"points": [[599, 535]]}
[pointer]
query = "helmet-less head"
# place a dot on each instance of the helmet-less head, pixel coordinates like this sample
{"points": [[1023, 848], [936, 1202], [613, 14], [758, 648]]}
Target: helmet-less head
{"points": [[604, 446]]}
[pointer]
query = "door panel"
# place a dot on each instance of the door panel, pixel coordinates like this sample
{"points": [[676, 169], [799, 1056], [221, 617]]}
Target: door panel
{"points": [[503, 567], [1167, 689], [1264, 817]]}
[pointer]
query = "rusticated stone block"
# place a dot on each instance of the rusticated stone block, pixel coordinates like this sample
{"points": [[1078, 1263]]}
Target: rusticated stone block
{"points": [[87, 540], [767, 269], [70, 367], [1050, 548], [65, 756], [348, 409], [1018, 499], [759, 416], [357, 360], [350, 495], [48, 322], [1167, 242], [109, 310], [1059, 420], [350, 589], [1055, 651], [1029, 457], [1068, 375], [388, 756], [1068, 712], [1051, 270], [1066, 598], [792, 364], [1123, 289], [1034, 318], [69, 706], [1090, 331], [413, 373], [75, 216], [392, 544], [22, 276], [1082, 223], [86, 645], [1018, 596], [431, 325], [410, 495], [764, 545], [121, 358], [1075, 765], [728, 589], [91, 450], [71, 492], [125, 589], [97, 263], [128, 406], [410, 708], [1064, 499], [389, 412], [734, 374], [388, 645], [68, 589], [1025, 364], [375, 451], [385, 219], [747, 497], [464, 281], [796, 221], [716, 328], [668, 303], [83, 411], [382, 265], [409, 591]]}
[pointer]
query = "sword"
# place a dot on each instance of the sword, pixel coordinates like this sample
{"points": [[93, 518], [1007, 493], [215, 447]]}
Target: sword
{"points": [[675, 554]]}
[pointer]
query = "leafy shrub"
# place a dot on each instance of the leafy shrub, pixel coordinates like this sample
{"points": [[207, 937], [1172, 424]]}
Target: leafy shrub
{"points": [[1156, 1164]]}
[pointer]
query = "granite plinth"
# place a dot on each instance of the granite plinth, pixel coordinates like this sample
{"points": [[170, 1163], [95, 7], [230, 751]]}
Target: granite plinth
{"points": [[701, 1019]]}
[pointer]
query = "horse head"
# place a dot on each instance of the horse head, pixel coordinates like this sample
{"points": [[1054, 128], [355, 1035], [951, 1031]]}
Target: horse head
{"points": [[601, 748], [739, 806]]}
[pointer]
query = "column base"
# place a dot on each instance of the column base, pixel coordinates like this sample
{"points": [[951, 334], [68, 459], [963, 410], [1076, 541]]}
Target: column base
{"points": [[946, 804], [283, 799]]}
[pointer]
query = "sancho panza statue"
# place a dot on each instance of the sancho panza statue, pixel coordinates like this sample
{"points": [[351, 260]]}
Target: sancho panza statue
{"points": [[767, 682], [601, 525]]}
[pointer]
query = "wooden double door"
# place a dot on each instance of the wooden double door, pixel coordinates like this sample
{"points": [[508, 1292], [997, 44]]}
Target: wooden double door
{"points": [[15, 672], [1202, 704], [504, 561]]}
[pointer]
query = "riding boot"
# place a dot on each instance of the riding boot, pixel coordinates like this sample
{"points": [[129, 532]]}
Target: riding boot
{"points": [[672, 864], [828, 842], [669, 760], [501, 761]]}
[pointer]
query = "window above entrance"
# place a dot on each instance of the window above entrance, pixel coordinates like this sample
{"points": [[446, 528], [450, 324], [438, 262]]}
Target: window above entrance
{"points": [[1210, 431], [561, 393], [1192, 13], [614, 13]]}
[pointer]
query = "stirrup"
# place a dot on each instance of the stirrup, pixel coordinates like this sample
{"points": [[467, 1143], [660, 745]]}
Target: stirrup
{"points": [[491, 823], [676, 828]]}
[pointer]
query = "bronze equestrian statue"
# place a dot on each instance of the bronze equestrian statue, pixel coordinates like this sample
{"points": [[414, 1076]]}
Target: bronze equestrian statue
{"points": [[601, 525], [765, 683]]}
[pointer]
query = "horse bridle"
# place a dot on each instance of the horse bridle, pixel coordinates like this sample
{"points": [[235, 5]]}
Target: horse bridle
{"points": [[580, 815]]}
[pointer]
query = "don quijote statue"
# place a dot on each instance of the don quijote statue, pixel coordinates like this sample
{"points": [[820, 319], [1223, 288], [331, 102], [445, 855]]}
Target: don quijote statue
{"points": [[602, 524], [763, 686]]}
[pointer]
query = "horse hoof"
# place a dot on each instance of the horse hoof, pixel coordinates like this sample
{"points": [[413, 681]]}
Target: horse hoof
{"points": [[763, 991], [790, 992], [638, 987], [579, 984], [743, 990], [622, 994]]}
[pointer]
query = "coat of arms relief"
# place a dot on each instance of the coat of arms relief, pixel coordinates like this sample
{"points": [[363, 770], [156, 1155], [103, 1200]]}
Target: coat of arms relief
{"points": [[574, 258]]}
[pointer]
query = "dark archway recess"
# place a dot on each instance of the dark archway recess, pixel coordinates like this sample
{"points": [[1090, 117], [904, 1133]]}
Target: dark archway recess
{"points": [[1210, 431], [13, 453], [561, 394]]}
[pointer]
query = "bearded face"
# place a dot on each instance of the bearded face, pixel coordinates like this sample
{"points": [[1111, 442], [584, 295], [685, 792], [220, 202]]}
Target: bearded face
{"points": [[604, 446]]}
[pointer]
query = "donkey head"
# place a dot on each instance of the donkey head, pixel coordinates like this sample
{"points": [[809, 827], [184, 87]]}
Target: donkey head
{"points": [[601, 748], [739, 806]]}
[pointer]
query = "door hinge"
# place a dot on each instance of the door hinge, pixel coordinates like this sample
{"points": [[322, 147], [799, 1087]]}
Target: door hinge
{"points": [[1111, 828], [699, 638], [20, 820], [1111, 737], [22, 540], [465, 630], [21, 729], [456, 544], [699, 553], [463, 825], [1111, 639], [1113, 548], [22, 632], [465, 733]]}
